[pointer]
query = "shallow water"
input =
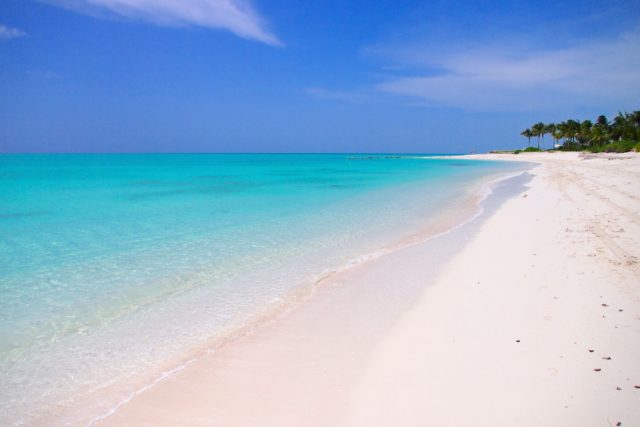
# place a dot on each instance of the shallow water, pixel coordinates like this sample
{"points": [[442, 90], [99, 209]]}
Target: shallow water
{"points": [[114, 264]]}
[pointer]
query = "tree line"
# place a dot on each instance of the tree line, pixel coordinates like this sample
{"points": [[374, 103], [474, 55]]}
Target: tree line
{"points": [[620, 134]]}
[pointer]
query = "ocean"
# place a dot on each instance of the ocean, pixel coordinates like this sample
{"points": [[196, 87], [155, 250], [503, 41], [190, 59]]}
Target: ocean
{"points": [[114, 268]]}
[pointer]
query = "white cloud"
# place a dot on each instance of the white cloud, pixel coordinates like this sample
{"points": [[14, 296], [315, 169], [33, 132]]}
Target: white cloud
{"points": [[237, 16], [600, 74], [44, 74], [8, 33], [336, 95]]}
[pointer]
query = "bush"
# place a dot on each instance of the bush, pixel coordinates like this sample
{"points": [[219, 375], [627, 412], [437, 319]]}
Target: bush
{"points": [[531, 149], [622, 146], [569, 146]]}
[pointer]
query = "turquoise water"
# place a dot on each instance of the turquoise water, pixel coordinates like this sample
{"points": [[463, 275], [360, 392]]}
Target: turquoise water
{"points": [[114, 264]]}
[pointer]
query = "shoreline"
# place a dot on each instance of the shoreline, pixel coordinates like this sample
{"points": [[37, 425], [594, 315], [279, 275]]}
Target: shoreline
{"points": [[361, 352], [540, 327], [353, 272], [398, 211], [465, 210]]}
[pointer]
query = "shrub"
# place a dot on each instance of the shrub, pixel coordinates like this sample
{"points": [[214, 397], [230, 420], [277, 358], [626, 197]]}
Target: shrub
{"points": [[622, 146]]}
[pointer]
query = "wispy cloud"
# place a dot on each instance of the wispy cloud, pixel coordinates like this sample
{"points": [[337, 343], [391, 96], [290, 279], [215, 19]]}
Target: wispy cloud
{"points": [[237, 16], [8, 33], [44, 74], [337, 95], [601, 73]]}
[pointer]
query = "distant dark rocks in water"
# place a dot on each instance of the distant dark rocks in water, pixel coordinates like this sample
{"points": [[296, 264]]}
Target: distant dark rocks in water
{"points": [[363, 157], [378, 157]]}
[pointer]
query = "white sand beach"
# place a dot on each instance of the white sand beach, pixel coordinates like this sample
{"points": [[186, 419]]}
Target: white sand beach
{"points": [[529, 317]]}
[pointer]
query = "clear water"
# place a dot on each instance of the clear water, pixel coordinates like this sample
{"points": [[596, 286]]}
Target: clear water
{"points": [[111, 265]]}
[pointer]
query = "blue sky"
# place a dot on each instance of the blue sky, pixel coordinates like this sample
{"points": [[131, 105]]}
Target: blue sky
{"points": [[290, 76]]}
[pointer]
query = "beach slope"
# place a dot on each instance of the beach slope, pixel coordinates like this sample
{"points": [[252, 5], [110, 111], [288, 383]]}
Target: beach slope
{"points": [[531, 319], [536, 322]]}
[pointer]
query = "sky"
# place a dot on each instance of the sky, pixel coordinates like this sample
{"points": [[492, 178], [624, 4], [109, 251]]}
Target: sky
{"points": [[321, 76]]}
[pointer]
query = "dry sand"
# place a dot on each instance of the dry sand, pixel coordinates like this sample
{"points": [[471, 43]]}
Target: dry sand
{"points": [[532, 319]]}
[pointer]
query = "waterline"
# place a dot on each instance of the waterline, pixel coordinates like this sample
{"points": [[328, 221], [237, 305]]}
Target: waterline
{"points": [[133, 261]]}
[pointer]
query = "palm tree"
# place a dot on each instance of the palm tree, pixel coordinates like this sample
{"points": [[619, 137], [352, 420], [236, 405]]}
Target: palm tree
{"points": [[563, 130], [598, 135], [538, 130], [550, 129], [602, 121], [584, 134], [600, 132], [557, 134], [634, 119], [621, 133], [527, 134], [619, 127], [573, 130], [626, 126]]}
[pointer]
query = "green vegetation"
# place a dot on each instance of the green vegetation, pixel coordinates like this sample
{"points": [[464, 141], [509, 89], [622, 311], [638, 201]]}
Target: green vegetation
{"points": [[620, 135], [526, 150], [504, 151]]}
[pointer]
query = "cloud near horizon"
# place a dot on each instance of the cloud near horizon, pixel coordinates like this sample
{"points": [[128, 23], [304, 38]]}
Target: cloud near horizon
{"points": [[236, 16], [8, 33], [601, 74]]}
